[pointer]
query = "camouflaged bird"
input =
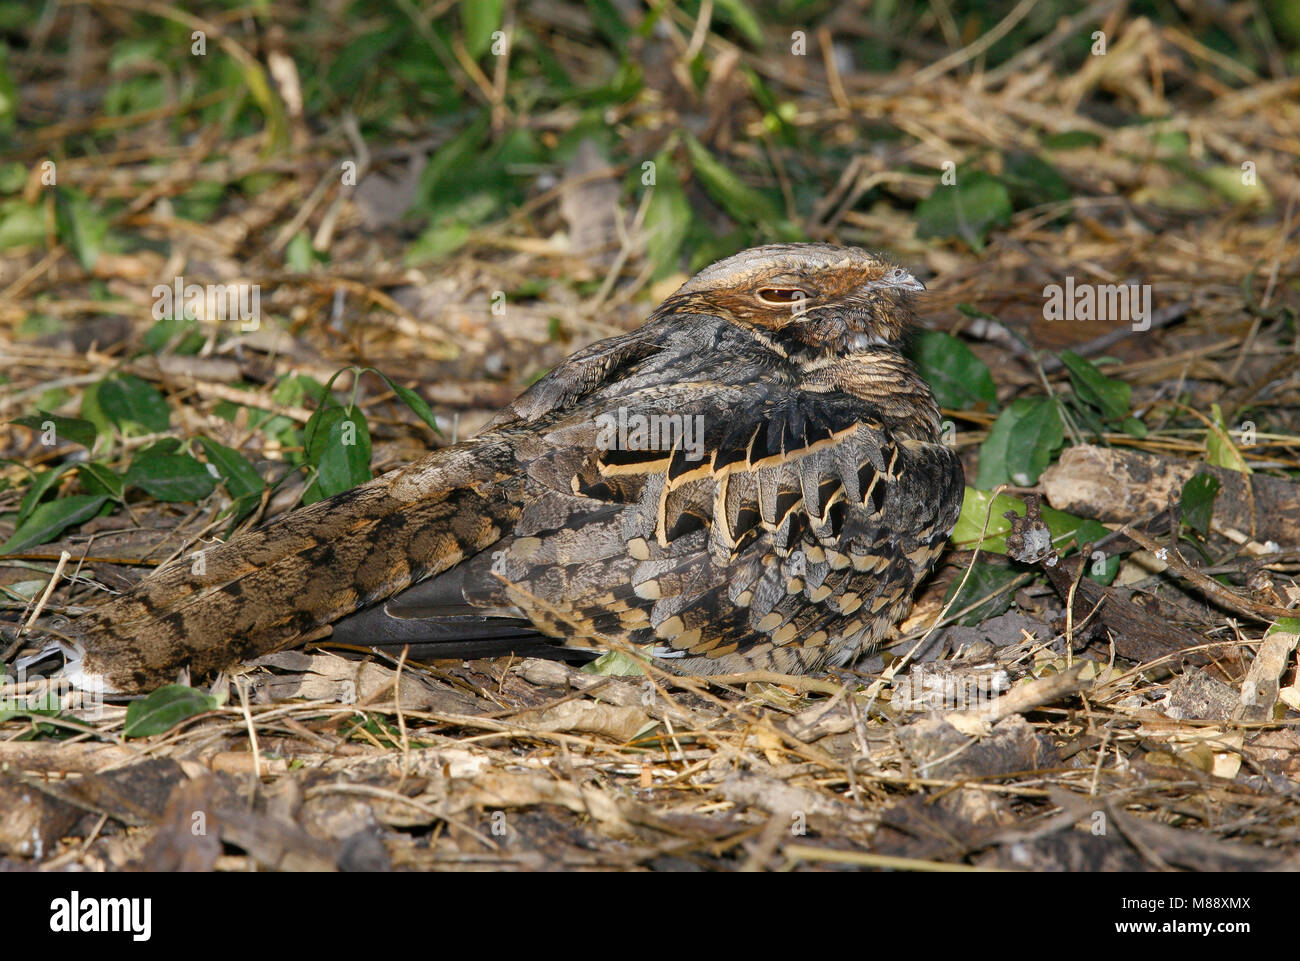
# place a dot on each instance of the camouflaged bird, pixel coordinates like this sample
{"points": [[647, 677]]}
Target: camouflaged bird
{"points": [[752, 479]]}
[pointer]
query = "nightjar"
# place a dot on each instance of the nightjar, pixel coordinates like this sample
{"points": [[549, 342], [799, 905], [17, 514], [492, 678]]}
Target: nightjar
{"points": [[752, 479]]}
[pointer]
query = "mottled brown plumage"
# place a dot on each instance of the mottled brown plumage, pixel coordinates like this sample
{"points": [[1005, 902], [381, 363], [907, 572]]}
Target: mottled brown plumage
{"points": [[782, 521]]}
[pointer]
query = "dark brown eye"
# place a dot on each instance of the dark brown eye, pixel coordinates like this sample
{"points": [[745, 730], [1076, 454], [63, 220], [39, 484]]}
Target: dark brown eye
{"points": [[782, 296]]}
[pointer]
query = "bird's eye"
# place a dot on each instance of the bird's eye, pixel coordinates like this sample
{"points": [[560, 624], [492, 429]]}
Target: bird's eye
{"points": [[782, 296]]}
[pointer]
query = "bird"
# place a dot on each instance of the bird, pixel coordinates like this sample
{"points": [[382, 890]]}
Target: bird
{"points": [[754, 479]]}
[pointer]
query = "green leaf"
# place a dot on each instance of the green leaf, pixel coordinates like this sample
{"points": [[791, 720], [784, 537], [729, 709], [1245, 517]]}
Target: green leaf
{"points": [[412, 400], [1187, 196], [25, 590], [133, 405], [1067, 527], [1021, 443], [320, 393], [438, 240], [42, 484], [667, 218], [268, 101], [1102, 567], [239, 507], [241, 477], [966, 209], [8, 91], [1108, 395], [449, 162], [960, 379], [181, 333], [1220, 451], [357, 59], [1071, 140], [975, 506], [745, 204], [1171, 143], [1198, 501], [200, 202], [984, 579], [13, 177], [1031, 180], [738, 14], [170, 477], [164, 709], [339, 449], [93, 412], [68, 428], [1133, 427], [49, 520], [454, 217], [480, 19], [1284, 625], [300, 256], [82, 226], [21, 225], [609, 22], [1068, 531], [163, 445], [1227, 181], [615, 663], [97, 478], [1086, 418]]}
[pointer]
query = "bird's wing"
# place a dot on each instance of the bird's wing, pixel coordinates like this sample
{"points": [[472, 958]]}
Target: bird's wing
{"points": [[751, 543], [581, 374]]}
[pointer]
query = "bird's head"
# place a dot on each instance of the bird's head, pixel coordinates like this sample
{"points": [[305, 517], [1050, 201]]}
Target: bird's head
{"points": [[820, 296]]}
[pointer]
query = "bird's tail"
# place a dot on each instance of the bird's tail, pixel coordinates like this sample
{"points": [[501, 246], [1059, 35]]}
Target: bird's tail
{"points": [[284, 583]]}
